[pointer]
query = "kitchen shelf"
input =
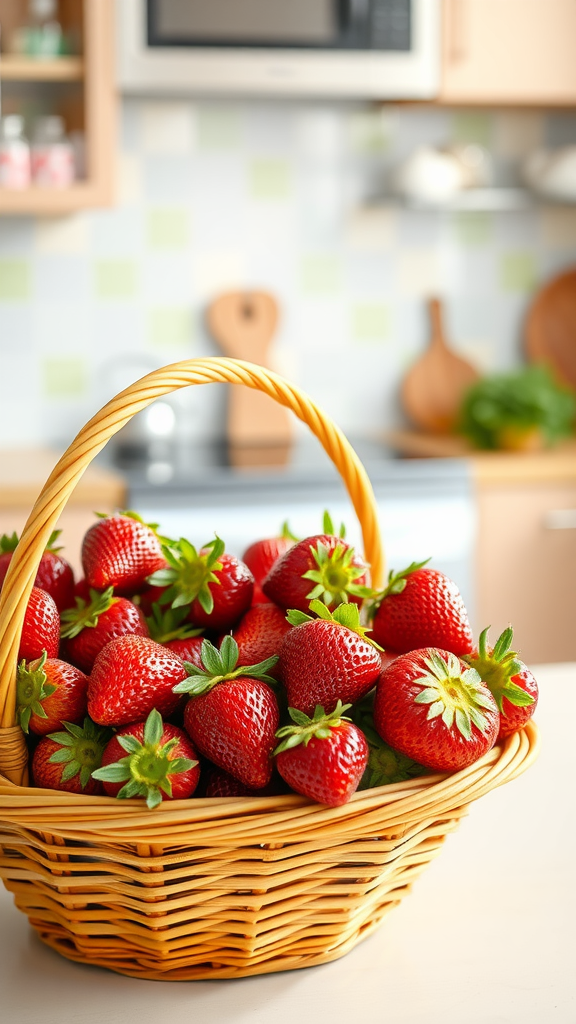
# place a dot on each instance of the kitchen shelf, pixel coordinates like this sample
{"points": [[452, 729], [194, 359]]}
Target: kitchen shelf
{"points": [[14, 68], [50, 201], [473, 200]]}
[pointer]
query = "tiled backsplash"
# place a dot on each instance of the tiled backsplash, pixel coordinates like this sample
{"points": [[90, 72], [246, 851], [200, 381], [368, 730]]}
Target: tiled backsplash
{"points": [[213, 196]]}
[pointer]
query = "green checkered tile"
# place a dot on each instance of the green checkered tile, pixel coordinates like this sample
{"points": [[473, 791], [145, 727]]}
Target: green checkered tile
{"points": [[269, 179], [168, 229], [320, 274], [518, 272], [370, 322], [14, 280], [473, 228], [217, 128], [64, 377], [171, 327], [115, 279]]}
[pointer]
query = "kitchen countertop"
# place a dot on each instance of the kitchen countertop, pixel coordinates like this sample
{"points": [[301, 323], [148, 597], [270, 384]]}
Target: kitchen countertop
{"points": [[486, 937], [23, 473]]}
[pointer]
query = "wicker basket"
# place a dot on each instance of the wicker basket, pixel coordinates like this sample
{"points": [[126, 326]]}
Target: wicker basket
{"points": [[212, 888]]}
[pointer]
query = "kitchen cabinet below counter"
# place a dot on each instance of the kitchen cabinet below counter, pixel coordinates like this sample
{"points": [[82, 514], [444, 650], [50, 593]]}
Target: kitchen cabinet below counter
{"points": [[525, 556], [23, 473]]}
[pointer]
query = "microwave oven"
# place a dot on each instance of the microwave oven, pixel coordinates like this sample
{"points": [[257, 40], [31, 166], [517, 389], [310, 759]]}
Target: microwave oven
{"points": [[352, 49]]}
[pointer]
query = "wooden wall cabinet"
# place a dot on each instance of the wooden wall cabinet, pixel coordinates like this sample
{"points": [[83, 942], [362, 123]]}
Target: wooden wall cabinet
{"points": [[509, 52], [80, 87]]}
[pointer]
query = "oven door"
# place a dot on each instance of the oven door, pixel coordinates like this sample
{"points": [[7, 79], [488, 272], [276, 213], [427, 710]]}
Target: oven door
{"points": [[379, 49]]}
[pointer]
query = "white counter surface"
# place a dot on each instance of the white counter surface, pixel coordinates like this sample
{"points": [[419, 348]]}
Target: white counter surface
{"points": [[486, 937]]}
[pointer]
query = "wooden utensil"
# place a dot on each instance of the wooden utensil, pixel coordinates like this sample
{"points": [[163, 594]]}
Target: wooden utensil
{"points": [[433, 388], [259, 430], [550, 329]]}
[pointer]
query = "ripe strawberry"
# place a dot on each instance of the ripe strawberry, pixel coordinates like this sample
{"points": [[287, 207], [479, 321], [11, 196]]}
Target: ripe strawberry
{"points": [[65, 760], [55, 575], [232, 715], [510, 682], [435, 709], [91, 625], [260, 633], [323, 566], [151, 759], [220, 783], [421, 607], [261, 556], [121, 551], [218, 587], [385, 765], [169, 627], [41, 628], [131, 676], [49, 692], [327, 660], [323, 757]]}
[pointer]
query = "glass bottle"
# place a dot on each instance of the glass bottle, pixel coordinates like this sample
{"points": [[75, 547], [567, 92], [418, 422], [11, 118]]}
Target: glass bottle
{"points": [[52, 153], [14, 153]]}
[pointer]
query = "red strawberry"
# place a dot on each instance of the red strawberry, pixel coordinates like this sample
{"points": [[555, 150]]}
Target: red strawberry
{"points": [[232, 715], [150, 759], [435, 709], [131, 676], [55, 575], [88, 627], [41, 629], [261, 556], [323, 757], [385, 765], [218, 587], [49, 692], [169, 627], [421, 607], [510, 682], [121, 551], [65, 760], [81, 589], [260, 633], [222, 784], [324, 567], [327, 660]]}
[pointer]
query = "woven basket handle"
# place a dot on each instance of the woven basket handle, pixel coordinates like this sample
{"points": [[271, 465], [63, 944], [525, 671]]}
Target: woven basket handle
{"points": [[91, 439]]}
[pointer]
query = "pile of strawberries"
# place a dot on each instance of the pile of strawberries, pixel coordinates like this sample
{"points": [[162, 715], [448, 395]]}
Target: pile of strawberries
{"points": [[171, 670]]}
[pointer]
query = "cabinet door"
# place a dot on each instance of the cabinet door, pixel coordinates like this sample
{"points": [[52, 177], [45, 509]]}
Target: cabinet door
{"points": [[526, 567], [509, 51]]}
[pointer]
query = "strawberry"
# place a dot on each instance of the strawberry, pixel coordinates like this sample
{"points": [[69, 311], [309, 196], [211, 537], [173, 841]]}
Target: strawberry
{"points": [[91, 625], [65, 760], [421, 607], [41, 628], [55, 575], [261, 556], [232, 714], [150, 759], [432, 707], [169, 627], [121, 551], [510, 682], [385, 765], [48, 692], [222, 784], [327, 659], [323, 757], [218, 587], [260, 633], [323, 566], [131, 676]]}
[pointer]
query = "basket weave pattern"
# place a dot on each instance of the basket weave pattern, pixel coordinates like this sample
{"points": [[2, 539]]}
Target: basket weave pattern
{"points": [[209, 888]]}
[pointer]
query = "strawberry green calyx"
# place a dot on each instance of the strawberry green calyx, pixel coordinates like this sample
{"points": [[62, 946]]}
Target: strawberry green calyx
{"points": [[455, 695], [86, 613], [396, 584], [8, 543], [335, 575], [81, 749], [347, 615], [385, 765], [305, 728], [147, 767], [286, 532], [219, 666], [51, 545], [497, 667], [32, 687], [166, 624], [328, 526], [189, 572]]}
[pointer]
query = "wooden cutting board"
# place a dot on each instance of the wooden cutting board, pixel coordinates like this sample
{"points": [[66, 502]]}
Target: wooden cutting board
{"points": [[434, 386], [259, 430], [550, 329]]}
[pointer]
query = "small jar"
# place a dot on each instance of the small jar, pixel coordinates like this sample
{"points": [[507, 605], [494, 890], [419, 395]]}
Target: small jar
{"points": [[52, 154], [14, 153]]}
